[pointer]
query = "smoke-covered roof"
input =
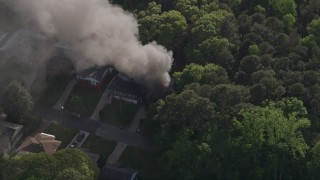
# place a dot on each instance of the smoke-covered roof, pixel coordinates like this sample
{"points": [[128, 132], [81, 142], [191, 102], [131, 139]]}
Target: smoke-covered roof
{"points": [[97, 73], [23, 43], [127, 86]]}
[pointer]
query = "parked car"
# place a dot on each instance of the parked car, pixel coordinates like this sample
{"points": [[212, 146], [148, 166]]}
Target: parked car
{"points": [[73, 145], [80, 136]]}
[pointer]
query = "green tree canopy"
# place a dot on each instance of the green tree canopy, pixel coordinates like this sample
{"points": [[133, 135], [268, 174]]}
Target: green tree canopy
{"points": [[314, 30], [314, 164], [283, 7], [209, 25], [16, 101], [44, 166], [276, 126], [193, 73], [183, 112], [70, 174], [167, 28]]}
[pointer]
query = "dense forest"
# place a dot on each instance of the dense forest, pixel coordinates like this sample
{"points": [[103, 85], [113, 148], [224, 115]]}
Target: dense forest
{"points": [[246, 98]]}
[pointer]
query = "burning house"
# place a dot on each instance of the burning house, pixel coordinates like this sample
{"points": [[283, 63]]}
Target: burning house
{"points": [[124, 88], [95, 77]]}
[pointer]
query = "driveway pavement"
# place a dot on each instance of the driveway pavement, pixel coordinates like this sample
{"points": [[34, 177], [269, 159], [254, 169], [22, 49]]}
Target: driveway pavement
{"points": [[116, 154], [103, 130], [65, 95], [106, 98]]}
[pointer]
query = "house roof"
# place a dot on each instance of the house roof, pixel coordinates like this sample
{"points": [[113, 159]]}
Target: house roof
{"points": [[22, 43], [97, 73], [114, 173], [40, 143], [10, 129], [126, 86]]}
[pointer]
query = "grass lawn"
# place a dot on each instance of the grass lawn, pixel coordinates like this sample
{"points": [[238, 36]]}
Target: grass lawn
{"points": [[99, 146], [31, 124], [82, 100], [54, 90], [62, 133], [144, 162], [119, 113]]}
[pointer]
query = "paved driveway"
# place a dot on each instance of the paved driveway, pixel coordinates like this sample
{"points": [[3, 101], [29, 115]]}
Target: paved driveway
{"points": [[103, 130]]}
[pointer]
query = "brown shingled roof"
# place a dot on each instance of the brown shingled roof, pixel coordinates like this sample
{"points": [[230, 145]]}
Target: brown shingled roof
{"points": [[40, 143]]}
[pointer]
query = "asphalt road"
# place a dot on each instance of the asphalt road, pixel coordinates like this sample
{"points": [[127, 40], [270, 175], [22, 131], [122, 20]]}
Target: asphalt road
{"points": [[103, 130]]}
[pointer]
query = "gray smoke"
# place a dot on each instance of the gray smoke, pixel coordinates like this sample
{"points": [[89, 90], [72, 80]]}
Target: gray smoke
{"points": [[98, 33]]}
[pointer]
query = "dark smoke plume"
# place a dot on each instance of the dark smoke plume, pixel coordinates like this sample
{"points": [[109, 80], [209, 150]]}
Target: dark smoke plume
{"points": [[98, 33]]}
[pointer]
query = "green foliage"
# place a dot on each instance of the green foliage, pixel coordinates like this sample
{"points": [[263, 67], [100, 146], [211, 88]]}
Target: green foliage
{"points": [[189, 9], [82, 100], [254, 50], [70, 174], [228, 96], [60, 165], [314, 30], [289, 20], [16, 101], [3, 164], [277, 127], [184, 112], [167, 28], [209, 25], [283, 7], [183, 157], [260, 9], [77, 101], [250, 63], [153, 8], [193, 73], [229, 54], [314, 164], [77, 159]]}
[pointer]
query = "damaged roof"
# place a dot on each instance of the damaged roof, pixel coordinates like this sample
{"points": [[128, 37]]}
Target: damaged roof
{"points": [[125, 85], [97, 73]]}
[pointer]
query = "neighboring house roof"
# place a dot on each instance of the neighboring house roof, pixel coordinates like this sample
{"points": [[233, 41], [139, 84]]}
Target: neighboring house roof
{"points": [[9, 134], [114, 173], [22, 43], [10, 129], [42, 142], [125, 85], [95, 73]]}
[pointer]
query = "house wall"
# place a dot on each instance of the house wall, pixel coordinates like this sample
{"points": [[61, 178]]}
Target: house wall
{"points": [[126, 97]]}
